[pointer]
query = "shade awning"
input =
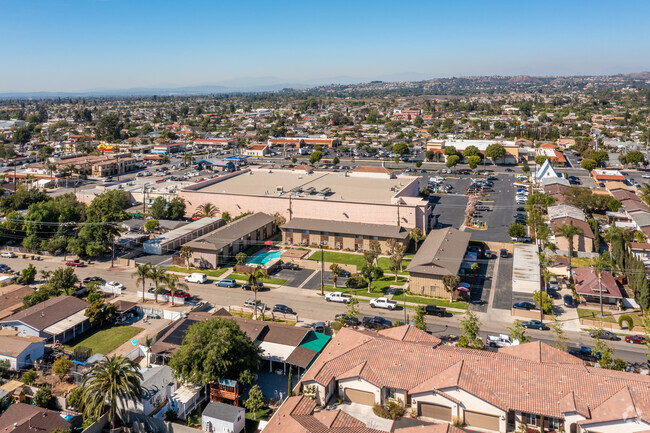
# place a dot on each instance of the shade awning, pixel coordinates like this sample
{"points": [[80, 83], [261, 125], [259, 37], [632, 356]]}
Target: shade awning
{"points": [[66, 324], [315, 341]]}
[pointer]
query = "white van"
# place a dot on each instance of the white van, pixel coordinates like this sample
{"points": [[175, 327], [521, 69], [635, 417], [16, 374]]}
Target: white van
{"points": [[196, 277]]}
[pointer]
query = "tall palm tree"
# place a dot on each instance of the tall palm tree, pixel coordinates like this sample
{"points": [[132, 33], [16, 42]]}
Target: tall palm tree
{"points": [[188, 159], [158, 275], [142, 272], [186, 254], [569, 231], [335, 268], [206, 210], [112, 382], [601, 264], [174, 284], [253, 280], [51, 167], [416, 236]]}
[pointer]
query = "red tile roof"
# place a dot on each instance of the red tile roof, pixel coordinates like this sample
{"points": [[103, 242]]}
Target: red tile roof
{"points": [[586, 283]]}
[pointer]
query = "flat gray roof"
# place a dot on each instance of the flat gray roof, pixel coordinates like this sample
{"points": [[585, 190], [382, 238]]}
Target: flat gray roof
{"points": [[232, 232], [182, 231], [348, 228], [331, 186]]}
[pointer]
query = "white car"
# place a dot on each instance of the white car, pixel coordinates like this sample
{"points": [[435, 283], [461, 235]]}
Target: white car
{"points": [[114, 285], [338, 297], [8, 255]]}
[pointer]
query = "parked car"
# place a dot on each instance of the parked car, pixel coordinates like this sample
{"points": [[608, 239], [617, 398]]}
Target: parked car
{"points": [[91, 279], [635, 339], [249, 286], [343, 273], [319, 327], [552, 293], [384, 303], [569, 301], [434, 310], [280, 308], [8, 255], [227, 282], [535, 324], [182, 294], [503, 253], [290, 266], [347, 319], [376, 322], [585, 353], [604, 335], [524, 306], [114, 285], [74, 263], [4, 268], [250, 303], [338, 297], [196, 277]]}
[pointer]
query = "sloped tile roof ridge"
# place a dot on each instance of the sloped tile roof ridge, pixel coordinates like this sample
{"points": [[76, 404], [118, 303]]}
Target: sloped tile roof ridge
{"points": [[475, 384], [446, 378]]}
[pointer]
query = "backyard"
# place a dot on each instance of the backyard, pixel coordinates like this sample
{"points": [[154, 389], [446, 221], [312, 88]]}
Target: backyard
{"points": [[104, 340]]}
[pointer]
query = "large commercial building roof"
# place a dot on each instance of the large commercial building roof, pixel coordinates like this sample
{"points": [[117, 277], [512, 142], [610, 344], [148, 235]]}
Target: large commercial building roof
{"points": [[525, 268], [346, 228], [317, 185]]}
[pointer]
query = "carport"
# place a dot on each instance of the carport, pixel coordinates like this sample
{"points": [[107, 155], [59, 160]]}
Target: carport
{"points": [[69, 327]]}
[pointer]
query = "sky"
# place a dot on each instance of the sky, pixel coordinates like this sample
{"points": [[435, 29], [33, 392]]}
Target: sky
{"points": [[59, 45]]}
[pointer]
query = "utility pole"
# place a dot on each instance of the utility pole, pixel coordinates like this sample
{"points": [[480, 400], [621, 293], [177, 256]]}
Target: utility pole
{"points": [[322, 270]]}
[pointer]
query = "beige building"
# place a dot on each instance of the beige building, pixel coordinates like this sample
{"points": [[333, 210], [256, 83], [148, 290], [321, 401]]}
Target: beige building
{"points": [[341, 236], [113, 167], [440, 254], [257, 150], [222, 245], [582, 242]]}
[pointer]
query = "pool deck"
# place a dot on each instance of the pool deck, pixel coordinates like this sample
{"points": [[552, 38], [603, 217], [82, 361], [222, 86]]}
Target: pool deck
{"points": [[264, 252]]}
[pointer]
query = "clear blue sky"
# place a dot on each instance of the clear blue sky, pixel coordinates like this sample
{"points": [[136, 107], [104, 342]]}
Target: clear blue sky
{"points": [[68, 45]]}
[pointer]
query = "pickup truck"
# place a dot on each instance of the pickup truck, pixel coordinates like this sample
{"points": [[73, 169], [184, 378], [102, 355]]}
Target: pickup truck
{"points": [[338, 297], [500, 341], [383, 303]]}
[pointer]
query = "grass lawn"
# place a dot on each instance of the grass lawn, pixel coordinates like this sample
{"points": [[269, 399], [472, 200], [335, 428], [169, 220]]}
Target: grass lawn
{"points": [[379, 287], [581, 262], [104, 340], [358, 260], [433, 301], [209, 273], [268, 280], [584, 313], [252, 423]]}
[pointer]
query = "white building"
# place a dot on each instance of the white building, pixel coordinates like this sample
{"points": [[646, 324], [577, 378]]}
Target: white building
{"points": [[223, 418]]}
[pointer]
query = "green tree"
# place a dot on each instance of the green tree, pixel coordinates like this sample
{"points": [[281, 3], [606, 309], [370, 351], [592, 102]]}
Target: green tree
{"points": [[545, 302], [401, 149], [473, 161], [416, 236], [74, 399], [315, 156], [142, 272], [43, 398], [186, 253], [495, 151], [518, 332], [63, 281], [158, 276], [109, 128], [22, 135], [176, 209], [517, 230], [352, 309], [253, 279], [635, 157], [418, 320], [29, 377], [600, 156], [241, 258], [174, 285], [335, 269], [5, 366], [450, 282], [471, 326], [452, 160], [569, 232], [541, 159], [159, 208], [255, 401], [205, 210], [371, 273], [472, 151], [603, 351], [559, 335], [100, 312], [588, 164], [151, 225], [525, 168], [215, 349], [111, 383], [225, 216], [450, 150], [602, 263], [61, 366], [28, 275]]}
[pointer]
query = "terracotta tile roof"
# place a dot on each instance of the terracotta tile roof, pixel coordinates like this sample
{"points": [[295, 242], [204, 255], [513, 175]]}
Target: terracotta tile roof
{"points": [[410, 334], [417, 367]]}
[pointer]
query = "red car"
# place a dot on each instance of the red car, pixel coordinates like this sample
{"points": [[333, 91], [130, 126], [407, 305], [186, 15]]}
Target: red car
{"points": [[182, 294], [75, 263], [635, 339]]}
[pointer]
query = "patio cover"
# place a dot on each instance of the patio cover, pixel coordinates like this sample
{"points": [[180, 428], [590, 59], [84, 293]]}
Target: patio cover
{"points": [[66, 324]]}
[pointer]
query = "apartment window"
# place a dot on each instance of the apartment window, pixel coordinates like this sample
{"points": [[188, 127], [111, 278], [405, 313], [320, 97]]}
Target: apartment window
{"points": [[325, 233], [530, 419], [553, 424], [375, 238]]}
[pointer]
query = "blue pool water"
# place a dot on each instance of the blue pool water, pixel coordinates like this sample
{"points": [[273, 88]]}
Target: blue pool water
{"points": [[264, 258]]}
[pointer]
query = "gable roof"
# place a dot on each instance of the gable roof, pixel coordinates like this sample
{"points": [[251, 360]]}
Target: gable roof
{"points": [[47, 313], [586, 283], [232, 232], [583, 225], [222, 411], [347, 228], [441, 253], [28, 418]]}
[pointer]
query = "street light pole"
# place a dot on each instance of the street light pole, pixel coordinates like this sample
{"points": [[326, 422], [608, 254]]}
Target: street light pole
{"points": [[322, 271]]}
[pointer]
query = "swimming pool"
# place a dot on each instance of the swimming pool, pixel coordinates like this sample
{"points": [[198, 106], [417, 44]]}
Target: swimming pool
{"points": [[263, 258]]}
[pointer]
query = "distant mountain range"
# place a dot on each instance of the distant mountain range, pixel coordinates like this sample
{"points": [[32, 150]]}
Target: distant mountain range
{"points": [[266, 84]]}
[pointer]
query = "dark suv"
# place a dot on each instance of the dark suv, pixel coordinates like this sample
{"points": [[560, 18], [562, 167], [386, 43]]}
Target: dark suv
{"points": [[348, 320], [376, 323], [291, 266], [434, 310]]}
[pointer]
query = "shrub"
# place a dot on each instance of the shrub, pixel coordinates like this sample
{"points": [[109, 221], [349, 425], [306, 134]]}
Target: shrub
{"points": [[29, 377], [627, 319], [44, 398], [356, 281], [392, 410], [381, 411]]}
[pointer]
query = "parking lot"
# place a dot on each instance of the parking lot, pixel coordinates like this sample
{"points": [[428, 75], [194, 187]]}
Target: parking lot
{"points": [[449, 209]]}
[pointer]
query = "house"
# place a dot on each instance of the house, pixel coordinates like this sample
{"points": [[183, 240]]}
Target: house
{"points": [[158, 385], [350, 236], [25, 418], [220, 417], [440, 254], [11, 298], [57, 320], [509, 390], [20, 351], [257, 150], [222, 245], [216, 164], [588, 287], [581, 242]]}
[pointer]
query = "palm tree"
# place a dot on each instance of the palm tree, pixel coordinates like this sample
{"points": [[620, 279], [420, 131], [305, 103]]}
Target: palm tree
{"points": [[142, 273], [253, 279], [601, 264], [415, 235], [188, 159], [45, 274], [51, 167], [72, 168], [114, 381], [174, 284], [206, 210], [335, 272], [158, 276], [186, 254], [148, 342], [450, 282], [569, 231]]}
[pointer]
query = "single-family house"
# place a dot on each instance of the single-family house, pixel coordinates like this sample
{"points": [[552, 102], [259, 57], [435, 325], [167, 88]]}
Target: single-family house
{"points": [[583, 241], [26, 418], [158, 384], [220, 417], [20, 351], [588, 286]]}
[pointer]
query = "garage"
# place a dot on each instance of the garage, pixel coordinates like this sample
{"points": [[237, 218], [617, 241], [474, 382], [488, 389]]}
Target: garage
{"points": [[361, 397], [482, 420], [434, 411]]}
